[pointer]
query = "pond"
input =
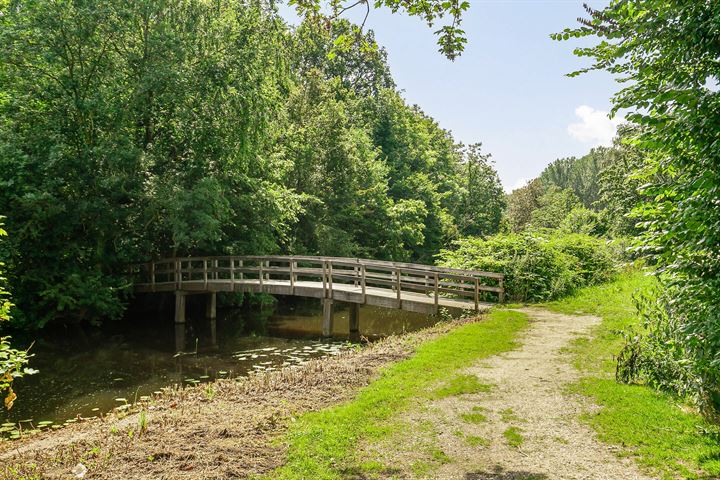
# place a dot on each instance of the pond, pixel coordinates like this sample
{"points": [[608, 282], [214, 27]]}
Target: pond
{"points": [[87, 372]]}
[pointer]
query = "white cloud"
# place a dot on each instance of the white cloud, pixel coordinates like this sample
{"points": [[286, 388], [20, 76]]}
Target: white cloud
{"points": [[595, 126]]}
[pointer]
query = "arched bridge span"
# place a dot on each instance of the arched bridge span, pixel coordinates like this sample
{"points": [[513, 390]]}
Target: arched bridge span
{"points": [[407, 286]]}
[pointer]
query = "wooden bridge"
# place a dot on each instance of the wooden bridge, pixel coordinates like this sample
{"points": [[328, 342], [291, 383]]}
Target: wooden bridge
{"points": [[406, 286]]}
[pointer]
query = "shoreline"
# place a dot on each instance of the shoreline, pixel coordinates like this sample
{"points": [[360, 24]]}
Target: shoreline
{"points": [[226, 428]]}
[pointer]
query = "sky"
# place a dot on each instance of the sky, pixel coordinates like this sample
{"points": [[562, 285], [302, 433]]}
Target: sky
{"points": [[508, 90]]}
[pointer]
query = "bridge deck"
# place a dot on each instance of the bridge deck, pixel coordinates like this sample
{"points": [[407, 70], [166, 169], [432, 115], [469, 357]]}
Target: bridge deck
{"points": [[381, 297]]}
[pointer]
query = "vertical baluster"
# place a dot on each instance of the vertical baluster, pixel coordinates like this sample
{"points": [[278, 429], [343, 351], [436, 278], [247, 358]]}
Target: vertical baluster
{"points": [[362, 280], [323, 278], [330, 281], [501, 295], [232, 273], [152, 275], [205, 273], [477, 294], [437, 290], [397, 284], [292, 274], [241, 264], [260, 274]]}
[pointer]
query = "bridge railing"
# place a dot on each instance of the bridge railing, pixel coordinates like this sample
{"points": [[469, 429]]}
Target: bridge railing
{"points": [[362, 274]]}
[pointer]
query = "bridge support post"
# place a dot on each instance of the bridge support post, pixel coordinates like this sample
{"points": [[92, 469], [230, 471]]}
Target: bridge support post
{"points": [[179, 307], [354, 320], [211, 306], [328, 311], [179, 337]]}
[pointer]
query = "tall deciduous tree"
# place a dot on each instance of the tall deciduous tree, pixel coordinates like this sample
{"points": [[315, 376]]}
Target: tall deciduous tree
{"points": [[483, 201], [132, 129]]}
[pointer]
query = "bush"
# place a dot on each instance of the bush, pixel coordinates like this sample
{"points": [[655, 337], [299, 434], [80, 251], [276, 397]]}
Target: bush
{"points": [[538, 265], [670, 353], [584, 220]]}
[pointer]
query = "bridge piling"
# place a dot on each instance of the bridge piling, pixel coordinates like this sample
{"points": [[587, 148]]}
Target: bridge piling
{"points": [[354, 321], [328, 311], [179, 307], [211, 306]]}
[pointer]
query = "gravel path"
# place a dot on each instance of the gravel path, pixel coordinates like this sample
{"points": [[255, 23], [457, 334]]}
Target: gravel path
{"points": [[529, 397]]}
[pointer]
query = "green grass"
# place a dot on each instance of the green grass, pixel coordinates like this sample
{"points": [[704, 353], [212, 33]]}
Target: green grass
{"points": [[475, 441], [473, 417], [508, 415], [513, 436], [658, 430], [460, 385], [321, 445]]}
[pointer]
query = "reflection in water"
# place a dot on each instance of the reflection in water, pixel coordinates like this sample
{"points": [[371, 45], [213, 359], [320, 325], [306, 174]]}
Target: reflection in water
{"points": [[85, 372]]}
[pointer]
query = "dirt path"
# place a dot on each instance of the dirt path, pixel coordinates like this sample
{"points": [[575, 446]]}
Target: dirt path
{"points": [[526, 427]]}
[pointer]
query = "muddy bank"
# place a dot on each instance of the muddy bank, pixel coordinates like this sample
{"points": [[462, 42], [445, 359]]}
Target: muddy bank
{"points": [[227, 429]]}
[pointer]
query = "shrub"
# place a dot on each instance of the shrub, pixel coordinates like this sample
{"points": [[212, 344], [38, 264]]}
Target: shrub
{"points": [[584, 220], [538, 265], [671, 354]]}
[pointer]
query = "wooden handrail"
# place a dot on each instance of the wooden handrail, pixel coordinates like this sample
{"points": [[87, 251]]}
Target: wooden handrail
{"points": [[348, 262], [362, 273]]}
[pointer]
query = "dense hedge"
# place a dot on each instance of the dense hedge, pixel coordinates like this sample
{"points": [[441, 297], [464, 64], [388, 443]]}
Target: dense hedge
{"points": [[538, 265]]}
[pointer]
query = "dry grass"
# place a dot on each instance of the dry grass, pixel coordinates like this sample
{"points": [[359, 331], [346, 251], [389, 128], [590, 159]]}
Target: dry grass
{"points": [[187, 434]]}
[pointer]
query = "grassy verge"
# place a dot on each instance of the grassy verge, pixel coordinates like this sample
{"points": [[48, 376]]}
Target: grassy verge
{"points": [[321, 444], [658, 430]]}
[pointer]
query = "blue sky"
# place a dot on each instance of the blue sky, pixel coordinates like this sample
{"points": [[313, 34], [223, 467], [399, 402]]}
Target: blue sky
{"points": [[508, 89]]}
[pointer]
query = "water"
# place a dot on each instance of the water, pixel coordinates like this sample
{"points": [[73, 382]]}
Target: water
{"points": [[86, 372]]}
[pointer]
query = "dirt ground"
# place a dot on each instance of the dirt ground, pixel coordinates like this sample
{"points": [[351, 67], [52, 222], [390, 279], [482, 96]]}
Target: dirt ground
{"points": [[525, 427], [228, 431]]}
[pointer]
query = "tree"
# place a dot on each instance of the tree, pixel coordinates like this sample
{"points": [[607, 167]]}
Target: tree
{"points": [[581, 175], [424, 164], [553, 206], [483, 199], [620, 182], [522, 202], [451, 38], [666, 55], [360, 69], [130, 130]]}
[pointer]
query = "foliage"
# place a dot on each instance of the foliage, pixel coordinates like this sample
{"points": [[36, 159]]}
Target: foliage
{"points": [[586, 221], [483, 201], [129, 130], [12, 361], [138, 130], [657, 429], [538, 265], [581, 175], [620, 181], [553, 206], [363, 70], [593, 194], [522, 202], [451, 38], [322, 444], [666, 55]]}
